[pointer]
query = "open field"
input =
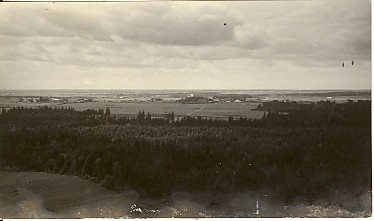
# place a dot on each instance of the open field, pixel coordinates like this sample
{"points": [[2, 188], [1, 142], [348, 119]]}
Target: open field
{"points": [[128, 102], [41, 195], [220, 110], [159, 108]]}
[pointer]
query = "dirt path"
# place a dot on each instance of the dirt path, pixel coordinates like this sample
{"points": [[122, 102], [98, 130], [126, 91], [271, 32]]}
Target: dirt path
{"points": [[196, 110]]}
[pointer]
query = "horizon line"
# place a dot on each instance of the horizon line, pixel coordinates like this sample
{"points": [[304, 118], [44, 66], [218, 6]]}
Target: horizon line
{"points": [[193, 89]]}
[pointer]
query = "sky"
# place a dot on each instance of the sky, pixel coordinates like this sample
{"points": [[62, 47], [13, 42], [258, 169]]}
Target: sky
{"points": [[186, 45]]}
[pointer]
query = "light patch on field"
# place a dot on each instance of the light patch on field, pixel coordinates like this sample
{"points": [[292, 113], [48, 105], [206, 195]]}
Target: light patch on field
{"points": [[27, 205]]}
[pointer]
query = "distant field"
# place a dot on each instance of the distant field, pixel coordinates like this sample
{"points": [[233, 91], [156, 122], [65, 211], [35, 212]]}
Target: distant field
{"points": [[223, 109], [220, 110]]}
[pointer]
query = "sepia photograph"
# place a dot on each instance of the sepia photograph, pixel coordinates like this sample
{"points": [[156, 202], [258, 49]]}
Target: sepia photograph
{"points": [[185, 109]]}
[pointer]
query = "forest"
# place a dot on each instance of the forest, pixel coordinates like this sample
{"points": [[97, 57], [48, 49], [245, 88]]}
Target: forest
{"points": [[295, 152]]}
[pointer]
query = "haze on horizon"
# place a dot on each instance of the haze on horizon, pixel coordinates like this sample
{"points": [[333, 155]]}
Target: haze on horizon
{"points": [[186, 45]]}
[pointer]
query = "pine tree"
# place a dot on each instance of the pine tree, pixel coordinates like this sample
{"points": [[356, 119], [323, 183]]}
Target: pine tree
{"points": [[172, 117], [149, 117], [107, 111], [140, 117]]}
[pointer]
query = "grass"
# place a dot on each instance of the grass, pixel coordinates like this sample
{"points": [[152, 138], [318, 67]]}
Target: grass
{"points": [[43, 195]]}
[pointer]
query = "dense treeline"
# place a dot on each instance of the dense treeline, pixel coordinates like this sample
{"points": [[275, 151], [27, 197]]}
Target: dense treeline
{"points": [[322, 113], [296, 151]]}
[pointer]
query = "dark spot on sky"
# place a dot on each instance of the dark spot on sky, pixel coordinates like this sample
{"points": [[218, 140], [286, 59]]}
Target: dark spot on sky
{"points": [[224, 23]]}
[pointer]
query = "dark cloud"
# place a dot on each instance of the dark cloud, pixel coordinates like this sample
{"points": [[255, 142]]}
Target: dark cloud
{"points": [[176, 27], [203, 32]]}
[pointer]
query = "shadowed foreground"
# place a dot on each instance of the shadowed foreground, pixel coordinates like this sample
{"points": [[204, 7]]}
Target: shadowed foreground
{"points": [[43, 195]]}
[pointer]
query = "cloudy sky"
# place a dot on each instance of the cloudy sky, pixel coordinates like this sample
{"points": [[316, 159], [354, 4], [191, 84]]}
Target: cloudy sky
{"points": [[186, 45]]}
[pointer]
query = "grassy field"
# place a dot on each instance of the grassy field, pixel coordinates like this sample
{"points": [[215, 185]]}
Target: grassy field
{"points": [[43, 195], [219, 110]]}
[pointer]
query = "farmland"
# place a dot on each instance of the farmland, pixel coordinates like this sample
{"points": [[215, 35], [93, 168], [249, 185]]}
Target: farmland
{"points": [[121, 107], [156, 108], [217, 104]]}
